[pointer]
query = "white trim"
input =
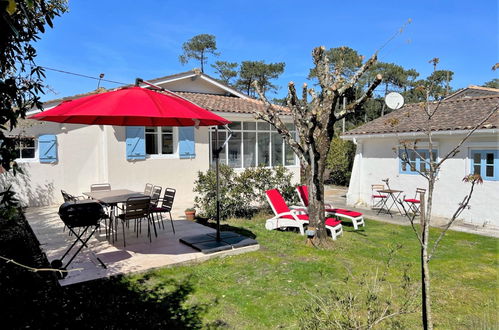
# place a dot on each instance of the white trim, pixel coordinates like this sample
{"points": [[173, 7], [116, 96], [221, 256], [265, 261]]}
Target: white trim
{"points": [[207, 79], [418, 134]]}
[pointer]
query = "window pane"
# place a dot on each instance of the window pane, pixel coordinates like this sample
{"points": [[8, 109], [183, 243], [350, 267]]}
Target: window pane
{"points": [[289, 155], [476, 158], [263, 149], [167, 144], [422, 164], [249, 125], [263, 126], [151, 144], [28, 143], [249, 141], [490, 159], [290, 126], [476, 169], [221, 139], [235, 150], [489, 170], [167, 130], [412, 160], [276, 149], [151, 130], [28, 153], [235, 125]]}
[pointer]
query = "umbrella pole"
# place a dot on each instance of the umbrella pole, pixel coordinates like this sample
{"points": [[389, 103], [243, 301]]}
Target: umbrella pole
{"points": [[216, 155], [217, 162]]}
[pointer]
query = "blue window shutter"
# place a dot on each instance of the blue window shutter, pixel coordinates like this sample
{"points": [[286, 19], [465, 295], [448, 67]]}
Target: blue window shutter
{"points": [[47, 148], [186, 142], [135, 143]]}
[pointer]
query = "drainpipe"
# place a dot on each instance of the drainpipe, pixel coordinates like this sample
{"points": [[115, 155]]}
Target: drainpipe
{"points": [[359, 167]]}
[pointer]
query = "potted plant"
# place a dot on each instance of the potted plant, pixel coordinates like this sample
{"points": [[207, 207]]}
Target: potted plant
{"points": [[190, 213]]}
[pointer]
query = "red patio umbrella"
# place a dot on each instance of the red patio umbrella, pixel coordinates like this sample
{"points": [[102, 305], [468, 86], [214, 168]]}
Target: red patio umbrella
{"points": [[137, 106], [131, 106]]}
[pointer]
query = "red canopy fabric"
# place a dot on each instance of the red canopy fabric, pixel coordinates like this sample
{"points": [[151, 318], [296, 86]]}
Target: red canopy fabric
{"points": [[131, 106]]}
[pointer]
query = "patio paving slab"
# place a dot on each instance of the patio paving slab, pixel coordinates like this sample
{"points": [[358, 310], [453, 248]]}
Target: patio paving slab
{"points": [[139, 255]]}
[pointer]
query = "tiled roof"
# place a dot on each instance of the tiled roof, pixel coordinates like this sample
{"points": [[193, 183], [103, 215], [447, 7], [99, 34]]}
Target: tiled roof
{"points": [[227, 103], [473, 91], [454, 114], [211, 102]]}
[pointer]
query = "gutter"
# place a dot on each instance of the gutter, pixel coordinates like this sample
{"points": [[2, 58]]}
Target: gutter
{"points": [[353, 137]]}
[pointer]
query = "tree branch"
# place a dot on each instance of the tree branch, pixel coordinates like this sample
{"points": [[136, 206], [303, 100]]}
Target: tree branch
{"points": [[359, 73], [269, 114], [352, 106]]}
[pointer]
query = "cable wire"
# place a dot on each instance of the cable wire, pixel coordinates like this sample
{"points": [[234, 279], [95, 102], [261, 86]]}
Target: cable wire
{"points": [[84, 76]]}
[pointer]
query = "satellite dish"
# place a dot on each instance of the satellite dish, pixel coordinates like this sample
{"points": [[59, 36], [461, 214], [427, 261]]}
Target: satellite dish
{"points": [[394, 100]]}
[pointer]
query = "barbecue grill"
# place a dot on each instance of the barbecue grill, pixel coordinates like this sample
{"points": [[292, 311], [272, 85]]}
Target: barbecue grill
{"points": [[86, 216]]}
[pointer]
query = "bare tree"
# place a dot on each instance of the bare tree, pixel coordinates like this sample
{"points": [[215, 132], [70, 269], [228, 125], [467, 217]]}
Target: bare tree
{"points": [[430, 171], [314, 123]]}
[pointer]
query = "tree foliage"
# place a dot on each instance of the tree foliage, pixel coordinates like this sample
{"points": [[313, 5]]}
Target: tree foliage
{"points": [[21, 23], [198, 48], [340, 161], [226, 71], [259, 72], [494, 83]]}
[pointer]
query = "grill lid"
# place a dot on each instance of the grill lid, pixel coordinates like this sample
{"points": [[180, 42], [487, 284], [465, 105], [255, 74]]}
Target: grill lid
{"points": [[81, 213]]}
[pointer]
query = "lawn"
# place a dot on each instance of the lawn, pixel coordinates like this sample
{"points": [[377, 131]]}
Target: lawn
{"points": [[268, 288], [271, 287]]}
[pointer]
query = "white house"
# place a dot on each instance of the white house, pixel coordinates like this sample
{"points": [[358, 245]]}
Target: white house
{"points": [[378, 149], [71, 157]]}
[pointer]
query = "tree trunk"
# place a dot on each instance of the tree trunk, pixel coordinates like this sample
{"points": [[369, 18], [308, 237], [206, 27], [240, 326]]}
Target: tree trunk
{"points": [[316, 193], [425, 269]]}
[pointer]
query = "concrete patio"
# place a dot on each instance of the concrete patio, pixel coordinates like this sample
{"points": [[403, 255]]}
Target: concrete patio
{"points": [[139, 254]]}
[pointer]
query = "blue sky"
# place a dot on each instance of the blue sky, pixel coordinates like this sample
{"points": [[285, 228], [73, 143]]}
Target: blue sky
{"points": [[129, 39]]}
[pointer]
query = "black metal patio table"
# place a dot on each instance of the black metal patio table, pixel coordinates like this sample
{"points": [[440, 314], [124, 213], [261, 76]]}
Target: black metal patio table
{"points": [[392, 195], [113, 198]]}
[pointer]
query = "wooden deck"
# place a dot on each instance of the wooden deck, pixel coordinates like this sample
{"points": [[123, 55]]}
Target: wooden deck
{"points": [[139, 255]]}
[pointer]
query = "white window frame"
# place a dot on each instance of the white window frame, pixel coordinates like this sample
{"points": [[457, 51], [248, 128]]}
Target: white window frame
{"points": [[241, 131], [159, 144], [27, 160]]}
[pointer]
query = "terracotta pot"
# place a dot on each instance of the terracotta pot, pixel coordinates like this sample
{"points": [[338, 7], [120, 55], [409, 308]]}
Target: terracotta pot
{"points": [[190, 215]]}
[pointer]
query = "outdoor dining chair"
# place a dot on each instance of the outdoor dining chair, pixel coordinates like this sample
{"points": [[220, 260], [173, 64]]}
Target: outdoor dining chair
{"points": [[100, 187], [148, 189], [155, 195], [414, 203], [377, 197], [287, 218], [166, 206], [137, 209]]}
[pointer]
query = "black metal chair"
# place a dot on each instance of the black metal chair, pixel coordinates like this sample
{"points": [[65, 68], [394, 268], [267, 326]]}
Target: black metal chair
{"points": [[166, 206], [137, 209], [148, 189], [155, 196]]}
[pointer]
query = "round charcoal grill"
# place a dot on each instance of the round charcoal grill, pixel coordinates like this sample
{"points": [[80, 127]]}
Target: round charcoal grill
{"points": [[85, 215]]}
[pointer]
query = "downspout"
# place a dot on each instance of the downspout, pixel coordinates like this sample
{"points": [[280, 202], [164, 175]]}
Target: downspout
{"points": [[359, 167], [104, 161]]}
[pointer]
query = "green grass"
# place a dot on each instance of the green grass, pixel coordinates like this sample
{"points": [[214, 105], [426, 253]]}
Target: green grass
{"points": [[271, 287]]}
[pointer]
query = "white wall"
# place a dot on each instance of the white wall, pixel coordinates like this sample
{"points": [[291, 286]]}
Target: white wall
{"points": [[76, 167], [97, 154], [376, 160]]}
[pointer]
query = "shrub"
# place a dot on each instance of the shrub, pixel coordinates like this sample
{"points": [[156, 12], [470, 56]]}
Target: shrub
{"points": [[243, 194], [340, 161]]}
